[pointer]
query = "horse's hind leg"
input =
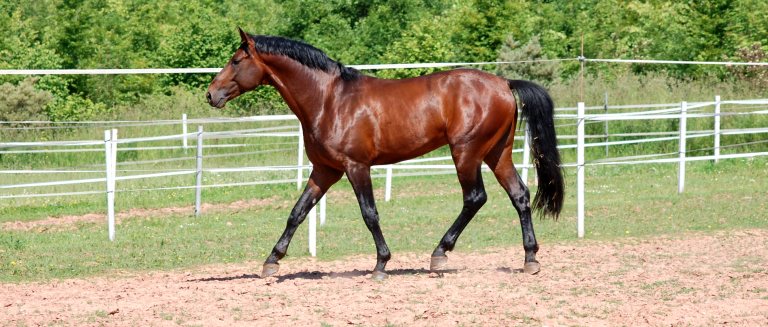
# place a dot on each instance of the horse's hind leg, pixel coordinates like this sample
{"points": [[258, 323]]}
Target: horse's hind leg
{"points": [[500, 162], [468, 171], [320, 180]]}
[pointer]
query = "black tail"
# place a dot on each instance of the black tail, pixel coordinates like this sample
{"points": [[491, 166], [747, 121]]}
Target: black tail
{"points": [[537, 107]]}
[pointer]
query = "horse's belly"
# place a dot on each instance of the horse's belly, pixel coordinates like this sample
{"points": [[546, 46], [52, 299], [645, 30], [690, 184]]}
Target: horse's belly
{"points": [[403, 145]]}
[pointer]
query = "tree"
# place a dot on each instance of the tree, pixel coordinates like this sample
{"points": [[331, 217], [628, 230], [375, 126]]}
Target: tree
{"points": [[544, 73], [202, 40], [756, 75], [480, 27], [424, 42], [23, 102]]}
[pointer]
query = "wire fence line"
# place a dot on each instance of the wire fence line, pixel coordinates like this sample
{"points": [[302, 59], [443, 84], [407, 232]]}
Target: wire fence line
{"points": [[362, 67], [260, 132]]}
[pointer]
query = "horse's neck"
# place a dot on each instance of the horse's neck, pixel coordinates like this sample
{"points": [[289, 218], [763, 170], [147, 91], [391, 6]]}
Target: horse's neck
{"points": [[302, 88]]}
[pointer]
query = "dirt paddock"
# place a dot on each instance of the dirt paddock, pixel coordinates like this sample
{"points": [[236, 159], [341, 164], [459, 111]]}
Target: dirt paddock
{"points": [[686, 280]]}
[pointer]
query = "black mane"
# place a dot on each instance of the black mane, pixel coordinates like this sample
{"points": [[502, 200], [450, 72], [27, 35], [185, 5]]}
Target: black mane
{"points": [[303, 53]]}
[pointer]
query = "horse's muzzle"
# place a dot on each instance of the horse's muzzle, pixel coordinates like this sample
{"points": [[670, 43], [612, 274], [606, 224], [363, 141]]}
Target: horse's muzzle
{"points": [[217, 102]]}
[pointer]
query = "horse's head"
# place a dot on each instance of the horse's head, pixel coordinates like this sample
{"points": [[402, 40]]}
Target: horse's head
{"points": [[243, 73]]}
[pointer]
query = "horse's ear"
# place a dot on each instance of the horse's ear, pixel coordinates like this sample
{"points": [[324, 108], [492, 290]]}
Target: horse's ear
{"points": [[245, 38]]}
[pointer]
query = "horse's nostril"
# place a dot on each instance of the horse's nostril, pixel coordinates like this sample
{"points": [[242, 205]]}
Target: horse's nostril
{"points": [[208, 96]]}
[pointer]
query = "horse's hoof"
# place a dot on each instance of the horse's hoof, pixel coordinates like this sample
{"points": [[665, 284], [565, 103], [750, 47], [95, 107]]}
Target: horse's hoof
{"points": [[269, 269], [532, 268], [438, 263], [379, 275]]}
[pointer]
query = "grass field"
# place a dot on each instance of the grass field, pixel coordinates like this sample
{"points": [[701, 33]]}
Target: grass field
{"points": [[621, 201]]}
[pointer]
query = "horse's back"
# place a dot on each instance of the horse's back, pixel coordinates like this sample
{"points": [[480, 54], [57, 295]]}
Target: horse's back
{"points": [[401, 119]]}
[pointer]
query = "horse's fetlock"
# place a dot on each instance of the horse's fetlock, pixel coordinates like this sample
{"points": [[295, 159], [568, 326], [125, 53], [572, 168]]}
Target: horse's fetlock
{"points": [[531, 248]]}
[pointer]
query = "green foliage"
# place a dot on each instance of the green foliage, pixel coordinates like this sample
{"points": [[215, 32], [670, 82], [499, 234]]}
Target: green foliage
{"points": [[480, 26], [353, 31], [76, 108], [544, 73], [756, 75], [423, 42], [23, 102], [201, 40], [53, 34]]}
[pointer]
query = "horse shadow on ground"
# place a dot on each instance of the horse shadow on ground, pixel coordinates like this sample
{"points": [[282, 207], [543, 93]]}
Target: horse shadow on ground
{"points": [[314, 275]]}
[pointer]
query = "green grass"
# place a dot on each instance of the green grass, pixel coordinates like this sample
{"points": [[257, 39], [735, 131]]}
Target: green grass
{"points": [[634, 201], [623, 201]]}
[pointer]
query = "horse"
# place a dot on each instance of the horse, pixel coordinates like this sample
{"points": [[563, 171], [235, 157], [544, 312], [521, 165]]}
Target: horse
{"points": [[351, 121]]}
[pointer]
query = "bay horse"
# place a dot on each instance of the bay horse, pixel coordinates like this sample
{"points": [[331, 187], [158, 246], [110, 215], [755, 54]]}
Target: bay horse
{"points": [[352, 121]]}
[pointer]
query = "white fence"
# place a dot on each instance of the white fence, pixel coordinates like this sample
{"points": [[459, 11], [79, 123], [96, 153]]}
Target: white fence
{"points": [[111, 142]]}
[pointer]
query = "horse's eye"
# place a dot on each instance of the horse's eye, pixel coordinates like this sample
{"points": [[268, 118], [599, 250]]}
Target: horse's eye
{"points": [[235, 62]]}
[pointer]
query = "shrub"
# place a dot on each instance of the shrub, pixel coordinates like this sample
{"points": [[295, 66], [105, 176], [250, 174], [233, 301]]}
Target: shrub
{"points": [[544, 73], [755, 75], [23, 102], [76, 108]]}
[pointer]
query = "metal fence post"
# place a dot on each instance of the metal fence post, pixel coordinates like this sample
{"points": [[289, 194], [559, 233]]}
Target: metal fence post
{"points": [[681, 163], [526, 154], [313, 231], [606, 126], [114, 178], [110, 151], [199, 174], [299, 171], [322, 211], [388, 186], [580, 169], [717, 127], [184, 131]]}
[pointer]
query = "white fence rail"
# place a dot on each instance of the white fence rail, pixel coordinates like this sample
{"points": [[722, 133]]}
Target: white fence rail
{"points": [[111, 141]]}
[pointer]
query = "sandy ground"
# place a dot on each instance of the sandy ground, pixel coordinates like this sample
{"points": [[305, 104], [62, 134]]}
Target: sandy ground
{"points": [[685, 280]]}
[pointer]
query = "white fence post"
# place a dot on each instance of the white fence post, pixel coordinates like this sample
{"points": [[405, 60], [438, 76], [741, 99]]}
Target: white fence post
{"points": [[299, 174], [388, 186], [110, 155], [184, 131], [526, 155], [313, 231], [681, 163], [199, 179], [606, 126], [717, 127], [580, 169], [322, 211]]}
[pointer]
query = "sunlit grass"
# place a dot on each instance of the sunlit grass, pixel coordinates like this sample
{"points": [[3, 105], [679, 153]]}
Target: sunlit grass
{"points": [[636, 201]]}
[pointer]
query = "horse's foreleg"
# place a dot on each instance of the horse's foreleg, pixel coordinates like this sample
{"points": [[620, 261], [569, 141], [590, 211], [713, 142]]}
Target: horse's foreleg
{"points": [[320, 181], [474, 197], [360, 178]]}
